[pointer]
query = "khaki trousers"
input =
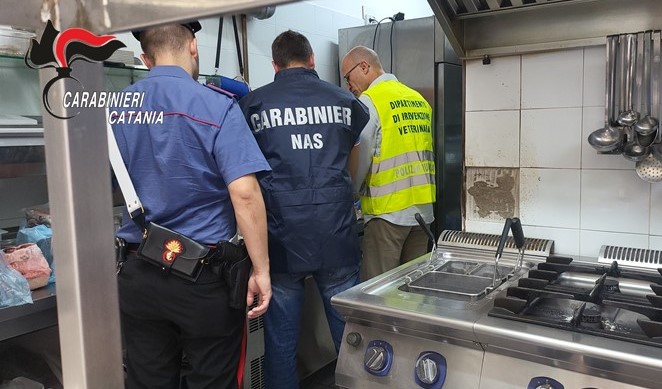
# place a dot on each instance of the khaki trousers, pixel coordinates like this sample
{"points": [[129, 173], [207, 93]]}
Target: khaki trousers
{"points": [[386, 246]]}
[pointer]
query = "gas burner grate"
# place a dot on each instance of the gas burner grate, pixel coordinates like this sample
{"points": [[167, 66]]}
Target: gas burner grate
{"points": [[629, 256], [532, 246]]}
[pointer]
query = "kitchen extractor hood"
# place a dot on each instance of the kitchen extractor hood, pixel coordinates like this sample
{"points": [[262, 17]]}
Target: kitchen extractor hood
{"points": [[108, 16], [478, 28]]}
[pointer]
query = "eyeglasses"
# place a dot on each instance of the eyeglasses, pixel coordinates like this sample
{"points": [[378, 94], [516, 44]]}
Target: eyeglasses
{"points": [[346, 76]]}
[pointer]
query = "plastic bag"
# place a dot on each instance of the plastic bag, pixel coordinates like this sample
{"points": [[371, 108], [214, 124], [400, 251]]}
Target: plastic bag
{"points": [[14, 288], [21, 383], [41, 235], [30, 262]]}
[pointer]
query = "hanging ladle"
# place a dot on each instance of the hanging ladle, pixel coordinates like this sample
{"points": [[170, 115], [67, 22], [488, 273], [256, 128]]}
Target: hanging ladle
{"points": [[628, 61], [647, 125], [633, 150], [610, 137]]}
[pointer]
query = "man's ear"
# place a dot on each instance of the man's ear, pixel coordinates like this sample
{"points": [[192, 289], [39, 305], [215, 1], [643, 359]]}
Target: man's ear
{"points": [[193, 47], [311, 61], [276, 67], [147, 60]]}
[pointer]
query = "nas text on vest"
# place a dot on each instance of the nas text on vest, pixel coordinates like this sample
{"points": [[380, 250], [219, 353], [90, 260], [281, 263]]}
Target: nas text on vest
{"points": [[305, 141]]}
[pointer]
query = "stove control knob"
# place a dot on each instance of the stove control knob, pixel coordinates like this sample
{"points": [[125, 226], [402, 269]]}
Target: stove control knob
{"points": [[353, 339], [378, 358], [375, 358], [430, 370], [544, 383], [427, 370]]}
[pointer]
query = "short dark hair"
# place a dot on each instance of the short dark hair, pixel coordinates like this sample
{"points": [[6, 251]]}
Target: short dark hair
{"points": [[290, 46], [171, 37]]}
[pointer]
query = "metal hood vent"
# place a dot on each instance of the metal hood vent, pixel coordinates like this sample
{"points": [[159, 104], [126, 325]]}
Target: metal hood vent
{"points": [[532, 246], [462, 8], [629, 256], [478, 28]]}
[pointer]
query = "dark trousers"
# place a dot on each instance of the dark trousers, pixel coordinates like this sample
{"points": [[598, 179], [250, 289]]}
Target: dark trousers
{"points": [[163, 316]]}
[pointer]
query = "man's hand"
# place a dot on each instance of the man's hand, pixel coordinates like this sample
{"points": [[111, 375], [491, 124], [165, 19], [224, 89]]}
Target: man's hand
{"points": [[259, 284], [252, 222]]}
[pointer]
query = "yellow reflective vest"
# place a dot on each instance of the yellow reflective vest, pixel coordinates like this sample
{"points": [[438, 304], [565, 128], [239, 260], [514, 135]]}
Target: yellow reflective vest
{"points": [[403, 173]]}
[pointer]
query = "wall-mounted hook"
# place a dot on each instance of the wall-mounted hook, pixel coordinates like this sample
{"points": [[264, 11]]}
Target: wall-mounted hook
{"points": [[486, 59]]}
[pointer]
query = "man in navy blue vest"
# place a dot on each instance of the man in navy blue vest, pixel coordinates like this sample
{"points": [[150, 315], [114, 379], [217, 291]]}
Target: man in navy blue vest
{"points": [[307, 129]]}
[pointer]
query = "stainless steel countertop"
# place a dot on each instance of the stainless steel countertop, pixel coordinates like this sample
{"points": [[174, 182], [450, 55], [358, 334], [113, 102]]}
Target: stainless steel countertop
{"points": [[380, 302]]}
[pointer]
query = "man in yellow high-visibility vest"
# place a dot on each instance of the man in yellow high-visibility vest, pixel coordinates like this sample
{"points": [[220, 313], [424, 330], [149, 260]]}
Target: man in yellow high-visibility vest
{"points": [[395, 171]]}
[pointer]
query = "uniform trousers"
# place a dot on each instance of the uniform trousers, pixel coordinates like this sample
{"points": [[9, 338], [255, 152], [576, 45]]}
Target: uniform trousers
{"points": [[386, 246], [163, 315]]}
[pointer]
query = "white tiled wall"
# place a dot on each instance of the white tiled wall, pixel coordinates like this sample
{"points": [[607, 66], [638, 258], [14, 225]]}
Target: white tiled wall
{"points": [[494, 138], [534, 112], [318, 23], [551, 138]]}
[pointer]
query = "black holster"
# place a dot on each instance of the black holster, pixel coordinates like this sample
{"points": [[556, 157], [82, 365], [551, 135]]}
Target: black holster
{"points": [[234, 266], [121, 250]]}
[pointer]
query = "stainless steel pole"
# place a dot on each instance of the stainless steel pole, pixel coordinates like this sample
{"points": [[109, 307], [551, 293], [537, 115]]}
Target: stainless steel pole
{"points": [[81, 207]]}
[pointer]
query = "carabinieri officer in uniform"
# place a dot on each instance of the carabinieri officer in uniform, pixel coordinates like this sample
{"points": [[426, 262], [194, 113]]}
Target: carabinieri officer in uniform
{"points": [[195, 174]]}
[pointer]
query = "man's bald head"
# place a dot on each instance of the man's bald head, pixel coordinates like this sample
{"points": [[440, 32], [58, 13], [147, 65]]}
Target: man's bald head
{"points": [[360, 67], [362, 53]]}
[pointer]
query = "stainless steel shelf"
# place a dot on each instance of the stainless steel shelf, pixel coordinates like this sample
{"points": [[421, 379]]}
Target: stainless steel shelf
{"points": [[21, 136], [27, 318]]}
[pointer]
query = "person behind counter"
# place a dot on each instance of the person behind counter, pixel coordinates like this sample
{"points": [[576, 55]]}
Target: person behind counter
{"points": [[394, 172], [307, 129], [195, 174]]}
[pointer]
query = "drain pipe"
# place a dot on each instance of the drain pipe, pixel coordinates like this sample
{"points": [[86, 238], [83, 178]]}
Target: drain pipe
{"points": [[261, 14], [244, 45]]}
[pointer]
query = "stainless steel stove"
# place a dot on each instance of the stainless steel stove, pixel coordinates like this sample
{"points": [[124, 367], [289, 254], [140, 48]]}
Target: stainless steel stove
{"points": [[439, 322]]}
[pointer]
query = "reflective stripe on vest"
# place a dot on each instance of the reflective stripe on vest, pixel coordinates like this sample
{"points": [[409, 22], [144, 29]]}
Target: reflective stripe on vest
{"points": [[403, 173]]}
